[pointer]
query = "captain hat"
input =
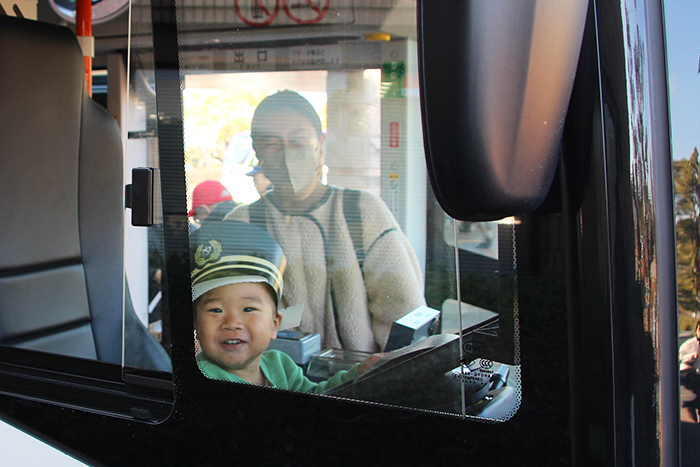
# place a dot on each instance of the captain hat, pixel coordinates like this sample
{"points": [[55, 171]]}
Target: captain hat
{"points": [[232, 252]]}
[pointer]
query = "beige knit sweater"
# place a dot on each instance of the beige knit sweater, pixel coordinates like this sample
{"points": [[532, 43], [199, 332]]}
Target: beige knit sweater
{"points": [[319, 274]]}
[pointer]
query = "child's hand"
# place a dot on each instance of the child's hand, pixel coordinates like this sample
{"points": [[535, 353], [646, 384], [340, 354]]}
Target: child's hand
{"points": [[368, 362]]}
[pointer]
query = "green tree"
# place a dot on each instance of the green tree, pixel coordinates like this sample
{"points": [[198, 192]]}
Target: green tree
{"points": [[212, 117], [687, 184]]}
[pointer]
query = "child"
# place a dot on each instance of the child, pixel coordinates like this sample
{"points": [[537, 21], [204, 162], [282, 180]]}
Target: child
{"points": [[236, 287]]}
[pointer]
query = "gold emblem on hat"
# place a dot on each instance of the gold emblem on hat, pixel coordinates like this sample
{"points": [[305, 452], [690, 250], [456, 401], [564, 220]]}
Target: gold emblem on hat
{"points": [[207, 253]]}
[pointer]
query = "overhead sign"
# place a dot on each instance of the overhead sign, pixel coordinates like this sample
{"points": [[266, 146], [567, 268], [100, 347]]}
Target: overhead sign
{"points": [[262, 13]]}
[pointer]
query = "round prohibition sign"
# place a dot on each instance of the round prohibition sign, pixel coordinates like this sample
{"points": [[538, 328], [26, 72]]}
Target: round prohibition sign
{"points": [[260, 14], [315, 6]]}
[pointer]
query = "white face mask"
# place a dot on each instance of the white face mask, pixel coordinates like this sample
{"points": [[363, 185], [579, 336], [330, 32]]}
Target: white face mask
{"points": [[301, 165]]}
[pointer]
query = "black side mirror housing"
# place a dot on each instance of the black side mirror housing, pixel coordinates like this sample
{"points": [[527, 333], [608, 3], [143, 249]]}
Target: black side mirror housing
{"points": [[492, 125]]}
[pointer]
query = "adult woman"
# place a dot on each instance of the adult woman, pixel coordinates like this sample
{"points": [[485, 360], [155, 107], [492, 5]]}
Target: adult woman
{"points": [[350, 299]]}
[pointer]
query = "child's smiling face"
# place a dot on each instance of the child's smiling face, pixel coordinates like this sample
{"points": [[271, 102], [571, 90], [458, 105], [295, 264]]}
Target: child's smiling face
{"points": [[235, 324]]}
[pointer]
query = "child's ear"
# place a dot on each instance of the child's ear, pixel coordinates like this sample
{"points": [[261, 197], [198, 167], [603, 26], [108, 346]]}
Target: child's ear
{"points": [[276, 321]]}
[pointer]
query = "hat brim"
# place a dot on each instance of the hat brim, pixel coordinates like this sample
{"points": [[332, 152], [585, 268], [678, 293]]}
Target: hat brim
{"points": [[200, 289]]}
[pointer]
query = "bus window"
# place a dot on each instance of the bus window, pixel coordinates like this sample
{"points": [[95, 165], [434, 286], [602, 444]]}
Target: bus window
{"points": [[145, 259], [305, 124]]}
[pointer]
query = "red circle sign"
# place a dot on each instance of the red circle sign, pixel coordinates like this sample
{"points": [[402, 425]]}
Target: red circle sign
{"points": [[257, 14], [318, 11]]}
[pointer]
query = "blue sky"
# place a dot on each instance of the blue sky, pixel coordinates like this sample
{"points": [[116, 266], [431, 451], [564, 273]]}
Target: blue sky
{"points": [[683, 50]]}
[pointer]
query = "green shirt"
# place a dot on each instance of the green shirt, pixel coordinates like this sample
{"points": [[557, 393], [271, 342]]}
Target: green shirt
{"points": [[280, 371]]}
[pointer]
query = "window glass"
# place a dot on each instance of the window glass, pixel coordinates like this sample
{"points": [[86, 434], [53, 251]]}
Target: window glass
{"points": [[321, 260], [145, 259]]}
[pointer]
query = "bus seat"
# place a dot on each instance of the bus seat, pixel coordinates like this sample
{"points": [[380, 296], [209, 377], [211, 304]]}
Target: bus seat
{"points": [[61, 188]]}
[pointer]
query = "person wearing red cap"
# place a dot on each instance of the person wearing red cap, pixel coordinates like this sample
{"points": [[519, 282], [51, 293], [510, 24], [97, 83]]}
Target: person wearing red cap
{"points": [[210, 200]]}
